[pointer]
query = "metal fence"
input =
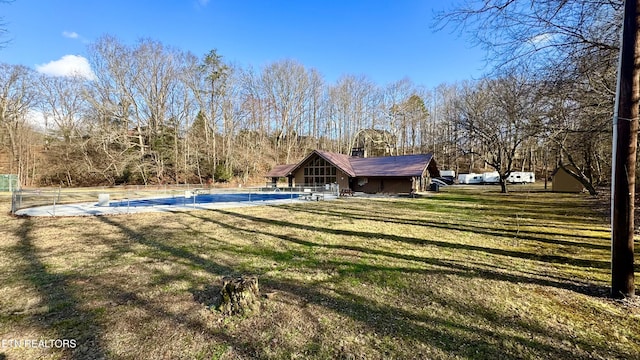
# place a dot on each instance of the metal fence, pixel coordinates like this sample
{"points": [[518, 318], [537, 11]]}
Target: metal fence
{"points": [[9, 182], [28, 198]]}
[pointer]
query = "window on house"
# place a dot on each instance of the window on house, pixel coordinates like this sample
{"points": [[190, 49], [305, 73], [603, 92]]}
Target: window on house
{"points": [[319, 172]]}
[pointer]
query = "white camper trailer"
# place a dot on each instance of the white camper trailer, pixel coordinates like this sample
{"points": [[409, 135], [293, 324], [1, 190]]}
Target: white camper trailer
{"points": [[522, 177], [470, 178], [450, 174], [491, 177]]}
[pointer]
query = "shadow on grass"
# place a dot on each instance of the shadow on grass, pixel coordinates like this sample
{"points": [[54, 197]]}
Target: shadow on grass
{"points": [[449, 336], [65, 318], [544, 210], [209, 295], [174, 251], [513, 218], [556, 259], [386, 320], [154, 310], [460, 269], [183, 256], [467, 226]]}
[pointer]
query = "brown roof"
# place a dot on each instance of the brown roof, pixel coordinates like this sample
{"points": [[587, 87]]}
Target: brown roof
{"points": [[387, 166], [341, 161], [281, 170], [403, 165]]}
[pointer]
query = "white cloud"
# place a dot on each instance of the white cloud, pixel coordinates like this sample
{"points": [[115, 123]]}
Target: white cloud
{"points": [[37, 119], [68, 65], [203, 2], [541, 39], [74, 36], [70, 34]]}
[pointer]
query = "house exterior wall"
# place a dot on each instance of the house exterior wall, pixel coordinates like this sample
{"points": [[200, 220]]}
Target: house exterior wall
{"points": [[299, 177], [563, 182], [343, 180], [383, 185]]}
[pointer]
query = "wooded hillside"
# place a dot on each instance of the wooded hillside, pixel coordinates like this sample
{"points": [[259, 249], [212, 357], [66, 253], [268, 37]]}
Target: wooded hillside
{"points": [[157, 114]]}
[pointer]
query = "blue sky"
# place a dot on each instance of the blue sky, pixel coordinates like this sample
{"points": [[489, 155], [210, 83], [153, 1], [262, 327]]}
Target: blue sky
{"points": [[383, 40]]}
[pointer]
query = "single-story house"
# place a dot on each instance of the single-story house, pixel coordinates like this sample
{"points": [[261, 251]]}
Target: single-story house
{"points": [[388, 174], [562, 181]]}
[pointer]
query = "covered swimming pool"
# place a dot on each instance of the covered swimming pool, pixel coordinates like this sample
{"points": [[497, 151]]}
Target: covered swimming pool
{"points": [[204, 199], [129, 201]]}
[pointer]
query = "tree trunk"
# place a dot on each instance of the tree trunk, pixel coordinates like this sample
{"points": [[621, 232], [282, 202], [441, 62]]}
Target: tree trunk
{"points": [[503, 185], [239, 295]]}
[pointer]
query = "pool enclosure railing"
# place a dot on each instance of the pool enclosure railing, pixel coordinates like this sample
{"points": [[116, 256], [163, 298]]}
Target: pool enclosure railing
{"points": [[26, 198]]}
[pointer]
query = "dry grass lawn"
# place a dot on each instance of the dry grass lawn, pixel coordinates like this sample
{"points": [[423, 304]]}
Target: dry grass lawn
{"points": [[461, 274]]}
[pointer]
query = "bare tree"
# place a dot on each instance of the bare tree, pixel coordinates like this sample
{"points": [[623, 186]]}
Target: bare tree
{"points": [[3, 26], [577, 130], [573, 46], [395, 96], [63, 104], [233, 114], [142, 88], [413, 115], [257, 151], [500, 114], [115, 109], [439, 133], [286, 87], [317, 104], [18, 95], [537, 32], [354, 105]]}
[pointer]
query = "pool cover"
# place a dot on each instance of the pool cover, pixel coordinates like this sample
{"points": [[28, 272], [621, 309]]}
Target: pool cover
{"points": [[203, 199]]}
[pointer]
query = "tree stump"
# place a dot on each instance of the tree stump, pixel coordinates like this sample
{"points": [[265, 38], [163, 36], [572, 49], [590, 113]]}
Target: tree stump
{"points": [[239, 295]]}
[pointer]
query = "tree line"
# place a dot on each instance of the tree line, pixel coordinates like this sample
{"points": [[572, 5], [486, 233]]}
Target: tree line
{"points": [[157, 114]]}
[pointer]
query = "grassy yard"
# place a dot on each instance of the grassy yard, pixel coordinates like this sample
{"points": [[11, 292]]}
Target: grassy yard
{"points": [[459, 274]]}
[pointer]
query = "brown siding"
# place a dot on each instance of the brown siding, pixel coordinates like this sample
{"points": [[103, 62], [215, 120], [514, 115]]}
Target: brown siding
{"points": [[385, 185], [563, 182], [343, 180], [298, 179]]}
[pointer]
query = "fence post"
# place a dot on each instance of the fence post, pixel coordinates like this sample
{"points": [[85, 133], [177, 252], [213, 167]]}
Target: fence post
{"points": [[13, 202]]}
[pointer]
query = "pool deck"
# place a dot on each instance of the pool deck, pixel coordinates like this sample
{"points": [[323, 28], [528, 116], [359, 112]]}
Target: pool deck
{"points": [[91, 208]]}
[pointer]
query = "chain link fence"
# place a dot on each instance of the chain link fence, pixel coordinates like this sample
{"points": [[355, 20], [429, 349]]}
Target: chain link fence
{"points": [[9, 182], [149, 196]]}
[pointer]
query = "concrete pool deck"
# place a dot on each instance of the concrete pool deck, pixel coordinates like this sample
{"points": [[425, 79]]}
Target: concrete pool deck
{"points": [[91, 208]]}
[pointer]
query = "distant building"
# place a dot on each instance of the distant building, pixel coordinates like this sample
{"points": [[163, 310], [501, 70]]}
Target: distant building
{"points": [[562, 181], [387, 174]]}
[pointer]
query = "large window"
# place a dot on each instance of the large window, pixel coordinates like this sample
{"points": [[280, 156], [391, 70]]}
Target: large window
{"points": [[319, 172]]}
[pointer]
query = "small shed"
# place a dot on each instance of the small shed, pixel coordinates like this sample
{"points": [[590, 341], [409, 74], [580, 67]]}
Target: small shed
{"points": [[562, 181]]}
